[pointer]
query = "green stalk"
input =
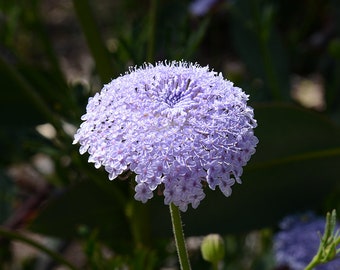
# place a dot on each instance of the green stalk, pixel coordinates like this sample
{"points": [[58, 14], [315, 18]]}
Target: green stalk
{"points": [[94, 40], [31, 94], [40, 28], [82, 164], [151, 31], [179, 237], [270, 69], [215, 266], [329, 241], [139, 217], [19, 237], [263, 35], [313, 263]]}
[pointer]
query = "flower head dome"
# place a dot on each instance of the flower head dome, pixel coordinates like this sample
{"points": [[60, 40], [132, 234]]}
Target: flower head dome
{"points": [[175, 125]]}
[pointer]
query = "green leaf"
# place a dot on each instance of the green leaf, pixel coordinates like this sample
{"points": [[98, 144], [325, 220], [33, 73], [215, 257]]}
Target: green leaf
{"points": [[195, 38], [258, 44]]}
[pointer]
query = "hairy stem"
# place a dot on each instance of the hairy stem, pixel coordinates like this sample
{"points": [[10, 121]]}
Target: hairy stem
{"points": [[179, 237]]}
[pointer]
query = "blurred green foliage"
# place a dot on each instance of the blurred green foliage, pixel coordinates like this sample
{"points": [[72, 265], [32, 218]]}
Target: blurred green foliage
{"points": [[54, 55]]}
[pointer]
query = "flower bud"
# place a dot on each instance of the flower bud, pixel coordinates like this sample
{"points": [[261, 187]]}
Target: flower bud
{"points": [[212, 248]]}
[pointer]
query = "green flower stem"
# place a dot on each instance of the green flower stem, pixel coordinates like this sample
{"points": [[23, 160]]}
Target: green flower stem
{"points": [[139, 217], [313, 263], [97, 178], [31, 94], [19, 237], [263, 31], [98, 49], [41, 30], [215, 266], [179, 237], [329, 241], [151, 33]]}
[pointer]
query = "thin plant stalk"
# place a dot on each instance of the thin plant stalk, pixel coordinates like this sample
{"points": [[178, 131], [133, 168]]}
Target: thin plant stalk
{"points": [[151, 31], [19, 237], [31, 94], [179, 237], [329, 241], [94, 40], [263, 34], [312, 264]]}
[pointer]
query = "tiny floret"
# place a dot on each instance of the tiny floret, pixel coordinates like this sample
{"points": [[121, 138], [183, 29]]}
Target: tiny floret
{"points": [[178, 126]]}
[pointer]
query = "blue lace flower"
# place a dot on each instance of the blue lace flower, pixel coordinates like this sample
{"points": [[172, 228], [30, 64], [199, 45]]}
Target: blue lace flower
{"points": [[298, 241], [178, 126]]}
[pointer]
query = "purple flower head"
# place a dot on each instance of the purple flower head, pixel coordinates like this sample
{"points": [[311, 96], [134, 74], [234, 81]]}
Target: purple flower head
{"points": [[175, 125], [298, 241]]}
